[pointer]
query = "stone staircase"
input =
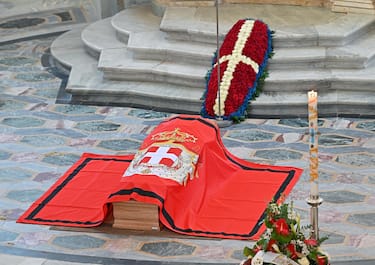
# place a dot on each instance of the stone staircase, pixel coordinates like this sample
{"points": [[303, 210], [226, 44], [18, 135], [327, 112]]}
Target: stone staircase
{"points": [[138, 59]]}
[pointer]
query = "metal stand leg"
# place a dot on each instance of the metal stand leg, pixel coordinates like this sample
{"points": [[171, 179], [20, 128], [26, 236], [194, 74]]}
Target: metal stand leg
{"points": [[314, 202]]}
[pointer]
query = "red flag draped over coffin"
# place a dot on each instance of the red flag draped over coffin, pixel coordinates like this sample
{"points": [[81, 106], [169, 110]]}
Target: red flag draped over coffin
{"points": [[183, 167]]}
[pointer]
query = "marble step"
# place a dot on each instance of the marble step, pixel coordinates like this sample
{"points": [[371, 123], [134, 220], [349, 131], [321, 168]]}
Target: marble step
{"points": [[87, 86], [118, 64], [356, 55], [330, 104], [148, 42], [120, 78], [68, 49], [100, 35], [154, 46], [134, 19], [199, 24], [177, 99], [360, 80], [90, 87]]}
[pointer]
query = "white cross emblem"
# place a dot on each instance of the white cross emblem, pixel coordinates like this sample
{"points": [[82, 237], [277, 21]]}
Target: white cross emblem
{"points": [[234, 59], [154, 158], [170, 161]]}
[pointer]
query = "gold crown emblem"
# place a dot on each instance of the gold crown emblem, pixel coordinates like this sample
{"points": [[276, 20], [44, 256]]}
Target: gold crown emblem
{"points": [[176, 136]]}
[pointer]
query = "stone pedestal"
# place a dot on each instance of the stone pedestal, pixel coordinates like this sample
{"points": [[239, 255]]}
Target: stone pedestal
{"points": [[354, 6]]}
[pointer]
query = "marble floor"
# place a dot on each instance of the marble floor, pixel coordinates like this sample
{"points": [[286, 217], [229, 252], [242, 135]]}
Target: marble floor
{"points": [[40, 140]]}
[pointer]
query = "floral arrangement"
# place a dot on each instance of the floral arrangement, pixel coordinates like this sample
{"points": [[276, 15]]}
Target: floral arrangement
{"points": [[284, 239], [243, 58]]}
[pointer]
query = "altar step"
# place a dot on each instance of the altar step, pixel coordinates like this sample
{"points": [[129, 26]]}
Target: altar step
{"points": [[138, 59]]}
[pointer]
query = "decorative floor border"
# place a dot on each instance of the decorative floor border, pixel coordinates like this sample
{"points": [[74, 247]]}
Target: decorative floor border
{"points": [[33, 25]]}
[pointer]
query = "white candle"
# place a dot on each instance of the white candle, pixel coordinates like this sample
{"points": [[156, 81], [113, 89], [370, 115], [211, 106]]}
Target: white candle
{"points": [[313, 131]]}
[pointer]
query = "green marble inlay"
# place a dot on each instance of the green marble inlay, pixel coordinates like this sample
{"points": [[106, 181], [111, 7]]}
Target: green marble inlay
{"points": [[78, 242], [165, 249], [120, 145], [298, 123], [342, 196], [360, 160], [278, 154], [324, 176], [367, 219], [10, 47], [34, 77], [43, 140], [4, 155], [333, 238], [7, 236], [22, 23], [368, 125], [50, 93], [251, 135], [333, 139], [24, 195], [14, 174], [75, 109], [11, 105], [17, 61], [97, 126], [21, 122], [148, 114], [60, 159]]}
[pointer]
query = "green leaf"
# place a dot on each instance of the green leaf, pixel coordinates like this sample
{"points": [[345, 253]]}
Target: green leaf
{"points": [[248, 252]]}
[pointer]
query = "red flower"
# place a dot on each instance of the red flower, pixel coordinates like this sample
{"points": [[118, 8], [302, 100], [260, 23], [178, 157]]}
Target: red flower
{"points": [[271, 220], [292, 250], [257, 248], [269, 245], [311, 242], [322, 260], [282, 227]]}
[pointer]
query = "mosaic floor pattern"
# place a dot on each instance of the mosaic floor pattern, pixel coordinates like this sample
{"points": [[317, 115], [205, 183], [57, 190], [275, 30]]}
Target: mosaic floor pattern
{"points": [[39, 140]]}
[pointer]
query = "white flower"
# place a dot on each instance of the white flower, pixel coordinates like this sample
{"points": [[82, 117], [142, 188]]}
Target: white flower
{"points": [[305, 250], [267, 234], [276, 248], [274, 208], [292, 215], [258, 258], [304, 261]]}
